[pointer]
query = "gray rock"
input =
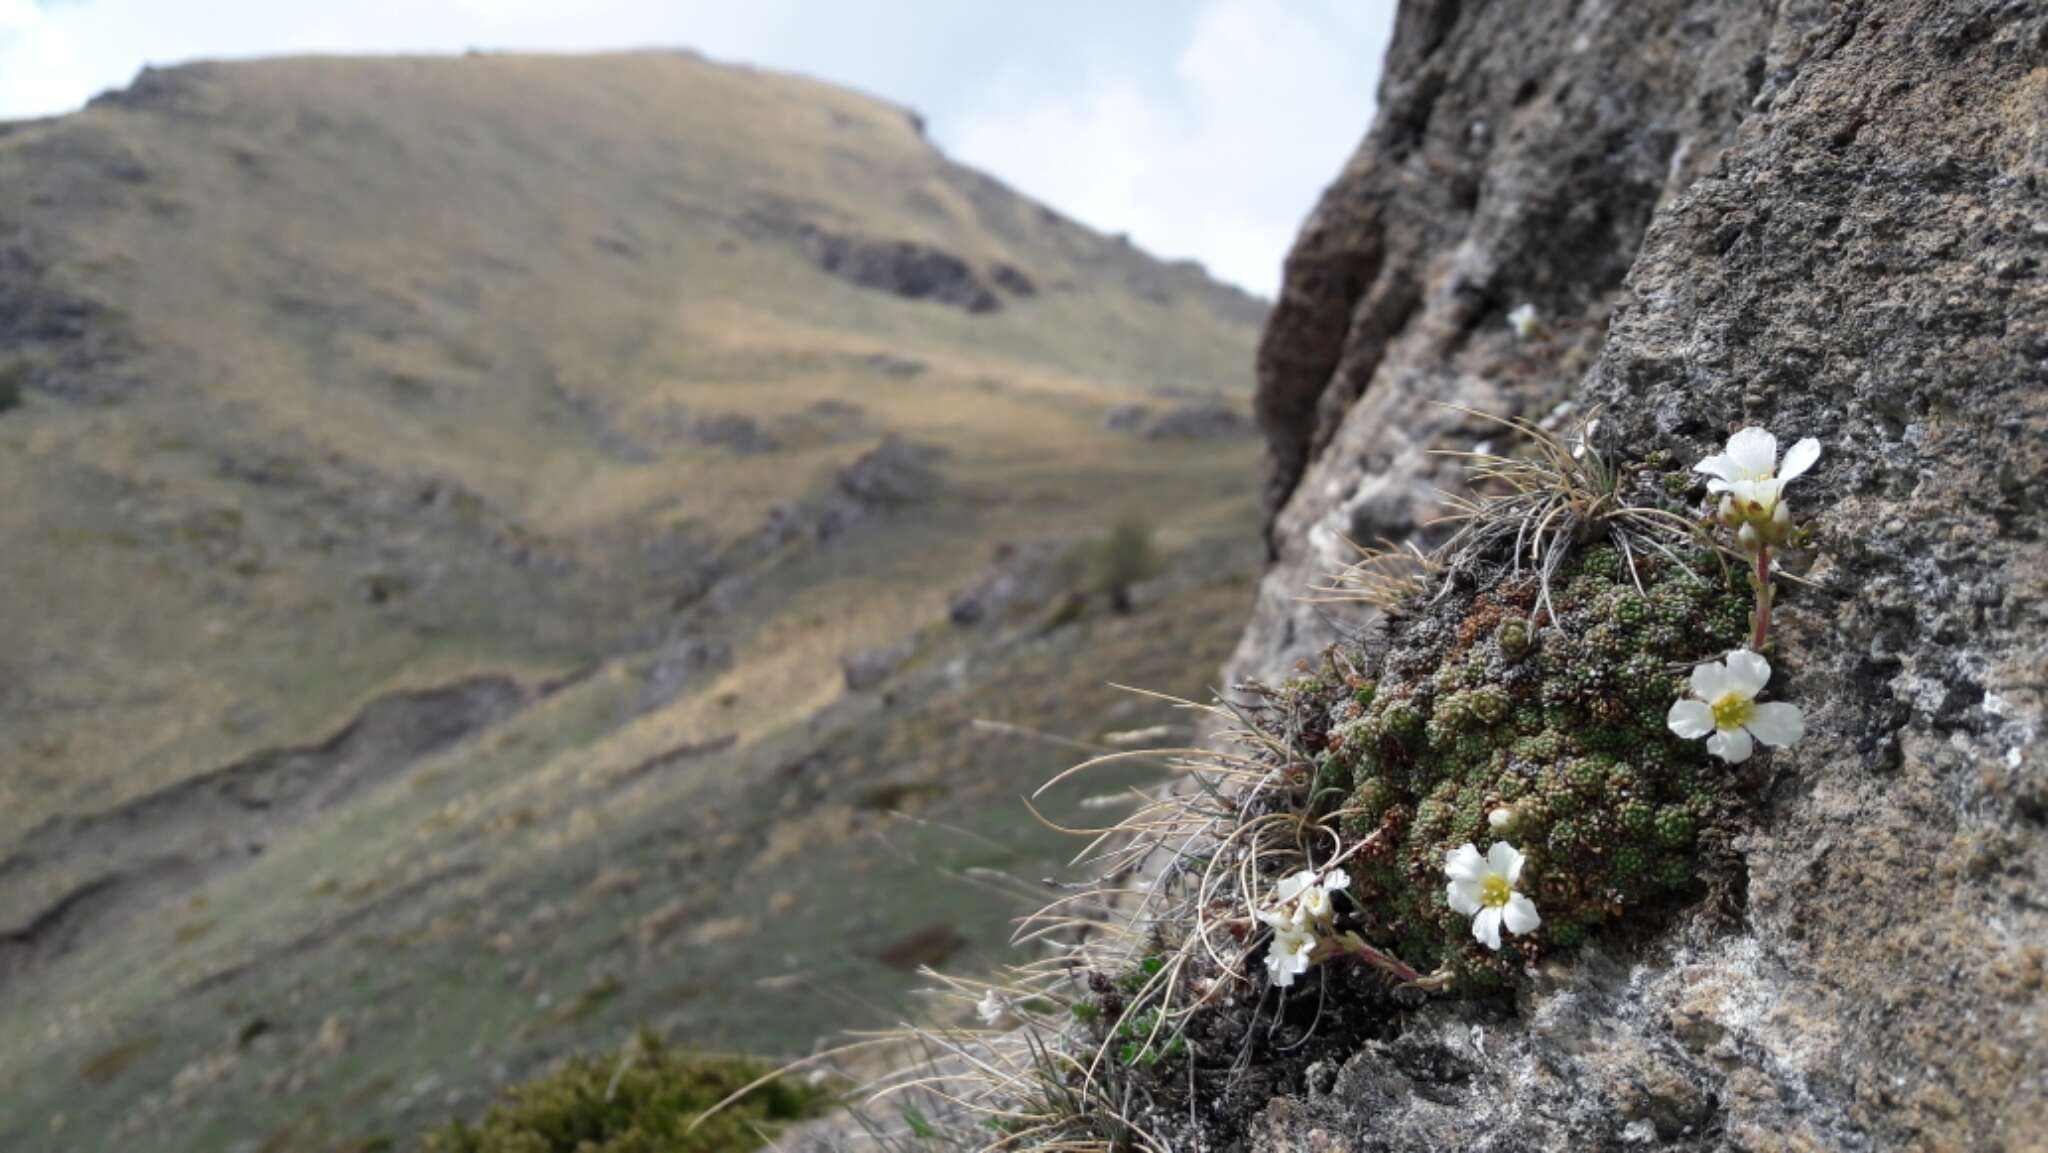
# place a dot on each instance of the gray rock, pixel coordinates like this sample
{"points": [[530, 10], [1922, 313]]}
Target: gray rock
{"points": [[1125, 418], [866, 668], [1012, 279], [1207, 421], [1019, 578], [740, 433], [1828, 220], [896, 474]]}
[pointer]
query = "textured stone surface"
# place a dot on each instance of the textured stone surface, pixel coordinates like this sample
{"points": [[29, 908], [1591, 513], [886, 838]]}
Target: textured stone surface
{"points": [[1832, 221], [1518, 156]]}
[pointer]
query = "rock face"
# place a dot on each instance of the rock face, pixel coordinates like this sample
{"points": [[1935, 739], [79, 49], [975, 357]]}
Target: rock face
{"points": [[1828, 220], [906, 268]]}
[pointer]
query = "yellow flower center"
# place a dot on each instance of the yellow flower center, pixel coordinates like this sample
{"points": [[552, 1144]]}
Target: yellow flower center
{"points": [[1733, 711], [1494, 891]]}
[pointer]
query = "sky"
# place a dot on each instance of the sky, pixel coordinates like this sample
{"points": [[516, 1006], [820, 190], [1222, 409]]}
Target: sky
{"points": [[1203, 128]]}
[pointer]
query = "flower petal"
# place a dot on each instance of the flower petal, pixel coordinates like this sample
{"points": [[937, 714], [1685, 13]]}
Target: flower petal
{"points": [[1756, 498], [1463, 896], [1709, 681], [1301, 943], [1338, 879], [1690, 719], [1486, 928], [1776, 724], [1754, 453], [1520, 915], [1718, 467], [1314, 904], [1292, 887], [1733, 746], [1799, 458], [1464, 863], [1504, 860], [1277, 967], [1748, 673]]}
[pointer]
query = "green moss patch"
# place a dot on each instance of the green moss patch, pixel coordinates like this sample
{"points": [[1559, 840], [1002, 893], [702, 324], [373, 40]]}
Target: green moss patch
{"points": [[1488, 702], [590, 1106]]}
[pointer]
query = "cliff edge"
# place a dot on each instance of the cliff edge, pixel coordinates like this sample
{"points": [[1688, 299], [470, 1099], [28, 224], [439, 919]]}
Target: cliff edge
{"points": [[1828, 220]]}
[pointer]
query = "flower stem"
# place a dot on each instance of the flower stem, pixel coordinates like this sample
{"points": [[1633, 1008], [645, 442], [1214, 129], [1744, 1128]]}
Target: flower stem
{"points": [[1760, 620], [1386, 962]]}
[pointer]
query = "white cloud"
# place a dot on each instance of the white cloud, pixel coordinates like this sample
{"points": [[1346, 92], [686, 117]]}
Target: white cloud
{"points": [[38, 70], [1265, 101], [1205, 132]]}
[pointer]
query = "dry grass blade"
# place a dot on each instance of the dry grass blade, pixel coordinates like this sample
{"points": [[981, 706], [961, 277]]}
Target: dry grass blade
{"points": [[1535, 508], [1384, 576]]}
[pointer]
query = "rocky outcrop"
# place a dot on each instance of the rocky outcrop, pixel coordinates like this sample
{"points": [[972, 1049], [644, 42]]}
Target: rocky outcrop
{"points": [[1199, 422], [1828, 220], [903, 267], [117, 863], [910, 269], [1518, 157]]}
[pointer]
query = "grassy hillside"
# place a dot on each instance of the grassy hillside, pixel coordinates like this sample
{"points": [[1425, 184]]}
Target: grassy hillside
{"points": [[440, 497]]}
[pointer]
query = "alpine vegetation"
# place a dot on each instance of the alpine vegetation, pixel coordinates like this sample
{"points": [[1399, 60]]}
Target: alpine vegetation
{"points": [[1483, 888], [1507, 764]]}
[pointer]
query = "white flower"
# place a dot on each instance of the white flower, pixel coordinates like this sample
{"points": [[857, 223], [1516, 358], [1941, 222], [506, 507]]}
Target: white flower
{"points": [[1750, 475], [991, 1007], [1483, 888], [1724, 705], [1301, 906], [1525, 322], [1287, 955], [1314, 906], [1291, 888], [1499, 819], [1303, 900]]}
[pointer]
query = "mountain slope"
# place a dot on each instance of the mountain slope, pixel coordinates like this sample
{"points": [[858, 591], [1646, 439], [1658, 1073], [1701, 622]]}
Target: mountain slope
{"points": [[323, 307], [442, 494]]}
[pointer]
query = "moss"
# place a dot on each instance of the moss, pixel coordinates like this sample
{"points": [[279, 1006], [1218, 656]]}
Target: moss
{"points": [[648, 1110], [1512, 637], [1638, 821], [1560, 719], [1675, 827]]}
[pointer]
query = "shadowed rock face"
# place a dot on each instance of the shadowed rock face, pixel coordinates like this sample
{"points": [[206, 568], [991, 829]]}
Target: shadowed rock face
{"points": [[1519, 155], [905, 268], [159, 847], [1830, 221]]}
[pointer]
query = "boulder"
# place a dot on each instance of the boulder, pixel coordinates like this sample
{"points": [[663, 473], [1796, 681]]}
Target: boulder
{"points": [[866, 668]]}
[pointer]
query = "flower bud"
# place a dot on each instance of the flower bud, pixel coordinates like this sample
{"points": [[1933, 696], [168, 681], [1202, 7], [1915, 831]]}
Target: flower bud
{"points": [[1779, 526], [1730, 516]]}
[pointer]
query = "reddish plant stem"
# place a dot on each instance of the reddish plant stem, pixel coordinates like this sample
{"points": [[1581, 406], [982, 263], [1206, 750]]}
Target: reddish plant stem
{"points": [[1760, 629], [1351, 943]]}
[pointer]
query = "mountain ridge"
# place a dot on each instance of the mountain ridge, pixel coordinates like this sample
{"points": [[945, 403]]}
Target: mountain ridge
{"points": [[653, 396]]}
